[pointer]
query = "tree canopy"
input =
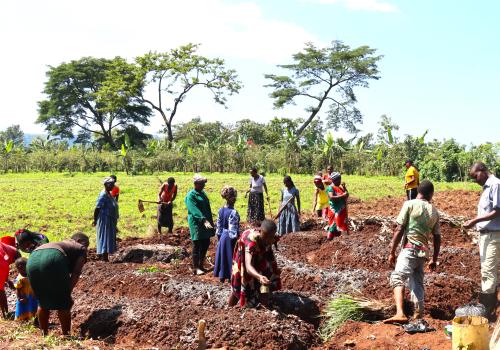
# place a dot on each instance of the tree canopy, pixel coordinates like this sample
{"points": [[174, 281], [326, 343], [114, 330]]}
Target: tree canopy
{"points": [[12, 133], [173, 75], [326, 77], [78, 99]]}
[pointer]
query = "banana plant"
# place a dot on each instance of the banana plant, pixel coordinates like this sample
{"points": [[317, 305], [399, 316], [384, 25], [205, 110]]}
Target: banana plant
{"points": [[8, 146], [124, 151]]}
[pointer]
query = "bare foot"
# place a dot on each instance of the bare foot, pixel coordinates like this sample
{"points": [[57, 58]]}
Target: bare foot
{"points": [[397, 319]]}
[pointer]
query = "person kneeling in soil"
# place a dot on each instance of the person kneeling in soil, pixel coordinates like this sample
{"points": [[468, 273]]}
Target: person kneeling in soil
{"points": [[417, 220], [255, 271], [53, 271]]}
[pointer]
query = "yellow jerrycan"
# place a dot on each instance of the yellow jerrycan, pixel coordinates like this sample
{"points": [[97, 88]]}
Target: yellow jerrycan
{"points": [[470, 333]]}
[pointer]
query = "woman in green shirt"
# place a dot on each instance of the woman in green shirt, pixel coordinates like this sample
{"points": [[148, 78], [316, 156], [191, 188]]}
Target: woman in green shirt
{"points": [[201, 224]]}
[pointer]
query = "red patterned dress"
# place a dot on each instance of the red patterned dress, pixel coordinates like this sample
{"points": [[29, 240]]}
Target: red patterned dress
{"points": [[245, 287]]}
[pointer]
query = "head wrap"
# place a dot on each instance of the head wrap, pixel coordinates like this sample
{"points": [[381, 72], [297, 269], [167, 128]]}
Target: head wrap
{"points": [[228, 192], [334, 176], [318, 179], [199, 178], [108, 180]]}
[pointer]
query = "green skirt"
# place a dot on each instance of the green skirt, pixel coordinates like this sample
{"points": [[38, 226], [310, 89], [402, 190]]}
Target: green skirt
{"points": [[48, 274]]}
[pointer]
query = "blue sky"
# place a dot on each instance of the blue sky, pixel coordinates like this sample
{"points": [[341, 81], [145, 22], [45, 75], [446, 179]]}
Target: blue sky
{"points": [[439, 72]]}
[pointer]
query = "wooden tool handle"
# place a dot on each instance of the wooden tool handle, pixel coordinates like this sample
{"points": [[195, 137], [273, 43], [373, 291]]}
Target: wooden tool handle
{"points": [[283, 207]]}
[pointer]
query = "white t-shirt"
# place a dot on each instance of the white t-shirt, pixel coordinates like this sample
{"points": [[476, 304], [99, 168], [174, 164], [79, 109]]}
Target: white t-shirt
{"points": [[490, 200], [257, 186]]}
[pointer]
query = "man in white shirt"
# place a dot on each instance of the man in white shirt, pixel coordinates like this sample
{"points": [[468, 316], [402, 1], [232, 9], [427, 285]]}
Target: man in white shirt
{"points": [[487, 223]]}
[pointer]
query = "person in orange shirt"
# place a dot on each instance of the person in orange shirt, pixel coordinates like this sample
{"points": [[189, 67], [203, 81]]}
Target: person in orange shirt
{"points": [[166, 197], [412, 180], [115, 192]]}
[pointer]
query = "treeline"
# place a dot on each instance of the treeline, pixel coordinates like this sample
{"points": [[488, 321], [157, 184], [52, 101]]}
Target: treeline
{"points": [[272, 147]]}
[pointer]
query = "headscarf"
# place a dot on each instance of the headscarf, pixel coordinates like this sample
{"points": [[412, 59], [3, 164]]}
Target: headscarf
{"points": [[318, 180], [108, 180], [334, 176], [228, 192], [199, 178]]}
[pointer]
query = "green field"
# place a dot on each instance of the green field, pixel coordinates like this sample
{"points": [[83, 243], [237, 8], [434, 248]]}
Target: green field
{"points": [[60, 204]]}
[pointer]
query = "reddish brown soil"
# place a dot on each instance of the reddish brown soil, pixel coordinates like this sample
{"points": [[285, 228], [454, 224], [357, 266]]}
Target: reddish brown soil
{"points": [[117, 303], [454, 203]]}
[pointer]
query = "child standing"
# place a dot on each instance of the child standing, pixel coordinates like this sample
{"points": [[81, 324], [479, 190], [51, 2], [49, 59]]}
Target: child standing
{"points": [[115, 192], [228, 231], [288, 220], [26, 304], [320, 203]]}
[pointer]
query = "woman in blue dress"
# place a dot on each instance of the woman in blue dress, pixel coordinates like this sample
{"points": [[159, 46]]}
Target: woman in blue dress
{"points": [[288, 220], [105, 220], [228, 231]]}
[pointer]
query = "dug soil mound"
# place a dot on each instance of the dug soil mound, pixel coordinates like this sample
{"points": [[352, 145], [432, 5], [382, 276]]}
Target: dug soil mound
{"points": [[453, 203], [148, 298]]}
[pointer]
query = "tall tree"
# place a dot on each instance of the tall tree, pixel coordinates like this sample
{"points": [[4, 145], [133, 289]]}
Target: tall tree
{"points": [[77, 100], [174, 74], [326, 76], [13, 133]]}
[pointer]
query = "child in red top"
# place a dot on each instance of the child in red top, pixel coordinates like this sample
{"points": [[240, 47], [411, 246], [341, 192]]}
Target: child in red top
{"points": [[115, 192]]}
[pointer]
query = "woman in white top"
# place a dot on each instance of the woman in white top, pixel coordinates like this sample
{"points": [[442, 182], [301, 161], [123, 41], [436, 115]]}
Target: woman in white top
{"points": [[255, 213]]}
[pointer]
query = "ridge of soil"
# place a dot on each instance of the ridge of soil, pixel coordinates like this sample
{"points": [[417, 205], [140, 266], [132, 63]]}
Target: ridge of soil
{"points": [[158, 304]]}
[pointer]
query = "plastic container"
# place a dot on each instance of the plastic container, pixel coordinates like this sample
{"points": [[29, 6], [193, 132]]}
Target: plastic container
{"points": [[470, 333]]}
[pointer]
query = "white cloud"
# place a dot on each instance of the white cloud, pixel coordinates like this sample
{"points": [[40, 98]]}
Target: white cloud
{"points": [[34, 34], [362, 5]]}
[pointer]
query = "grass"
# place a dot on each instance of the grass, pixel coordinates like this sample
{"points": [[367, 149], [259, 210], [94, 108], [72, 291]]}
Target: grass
{"points": [[24, 335], [151, 269], [343, 308], [339, 310], [58, 204]]}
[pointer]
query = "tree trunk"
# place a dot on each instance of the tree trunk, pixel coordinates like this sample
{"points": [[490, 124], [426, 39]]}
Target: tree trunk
{"points": [[170, 135]]}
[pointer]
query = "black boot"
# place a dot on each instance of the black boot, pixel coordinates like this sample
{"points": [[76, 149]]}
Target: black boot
{"points": [[490, 304]]}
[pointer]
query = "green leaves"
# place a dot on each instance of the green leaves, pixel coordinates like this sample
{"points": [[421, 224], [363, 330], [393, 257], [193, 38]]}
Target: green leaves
{"points": [[8, 146], [326, 76], [177, 72], [92, 95]]}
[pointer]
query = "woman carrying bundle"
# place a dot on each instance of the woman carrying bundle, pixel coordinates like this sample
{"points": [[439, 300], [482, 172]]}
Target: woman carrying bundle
{"points": [[337, 195], [228, 229], [288, 220]]}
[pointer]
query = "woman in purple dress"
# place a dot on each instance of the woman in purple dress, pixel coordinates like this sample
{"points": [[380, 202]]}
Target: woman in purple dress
{"points": [[228, 231]]}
